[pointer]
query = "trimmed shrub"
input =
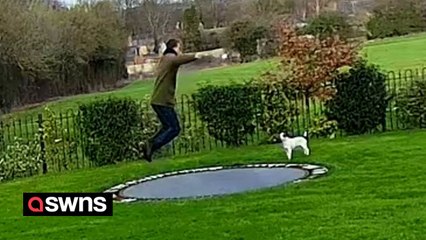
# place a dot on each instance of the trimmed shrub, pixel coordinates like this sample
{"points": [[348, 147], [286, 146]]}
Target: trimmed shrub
{"points": [[360, 103], [242, 37], [20, 159], [210, 40], [322, 127], [327, 25], [268, 48], [228, 111], [277, 110], [111, 128], [411, 106]]}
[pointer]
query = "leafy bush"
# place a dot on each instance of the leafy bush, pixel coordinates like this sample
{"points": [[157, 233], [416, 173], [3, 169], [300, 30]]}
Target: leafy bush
{"points": [[322, 127], [277, 116], [210, 40], [242, 36], [277, 110], [411, 105], [268, 45], [396, 19], [268, 48], [111, 128], [311, 63], [20, 159], [359, 105], [327, 25], [228, 111]]}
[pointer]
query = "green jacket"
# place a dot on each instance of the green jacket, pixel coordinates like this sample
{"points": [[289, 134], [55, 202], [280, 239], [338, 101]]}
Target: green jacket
{"points": [[165, 83]]}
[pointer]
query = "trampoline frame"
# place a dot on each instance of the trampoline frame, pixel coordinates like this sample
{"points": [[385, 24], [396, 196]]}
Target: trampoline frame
{"points": [[312, 171]]}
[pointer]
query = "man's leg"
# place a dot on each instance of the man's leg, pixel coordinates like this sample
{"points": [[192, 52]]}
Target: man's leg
{"points": [[159, 132], [170, 121], [148, 144], [170, 129]]}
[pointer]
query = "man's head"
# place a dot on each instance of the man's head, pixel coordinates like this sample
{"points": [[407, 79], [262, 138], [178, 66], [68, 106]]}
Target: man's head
{"points": [[174, 44]]}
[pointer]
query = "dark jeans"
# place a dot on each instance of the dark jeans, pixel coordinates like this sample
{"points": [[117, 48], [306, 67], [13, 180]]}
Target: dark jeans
{"points": [[170, 126]]}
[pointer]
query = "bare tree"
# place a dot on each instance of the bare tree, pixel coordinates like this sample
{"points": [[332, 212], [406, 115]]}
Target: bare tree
{"points": [[308, 8], [213, 12], [124, 5], [157, 13], [268, 10], [230, 11]]}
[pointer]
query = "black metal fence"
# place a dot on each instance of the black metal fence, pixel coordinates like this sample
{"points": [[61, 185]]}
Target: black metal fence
{"points": [[62, 144]]}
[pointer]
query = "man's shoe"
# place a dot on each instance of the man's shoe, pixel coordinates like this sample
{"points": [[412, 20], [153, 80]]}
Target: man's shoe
{"points": [[147, 151]]}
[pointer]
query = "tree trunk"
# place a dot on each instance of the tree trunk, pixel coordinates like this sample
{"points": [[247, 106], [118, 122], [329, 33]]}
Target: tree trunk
{"points": [[156, 41], [317, 7]]}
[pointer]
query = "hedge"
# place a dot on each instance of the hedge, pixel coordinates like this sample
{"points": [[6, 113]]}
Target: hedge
{"points": [[112, 128]]}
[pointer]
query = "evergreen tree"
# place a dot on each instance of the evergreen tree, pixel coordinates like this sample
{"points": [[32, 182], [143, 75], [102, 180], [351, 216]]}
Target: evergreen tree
{"points": [[191, 33]]}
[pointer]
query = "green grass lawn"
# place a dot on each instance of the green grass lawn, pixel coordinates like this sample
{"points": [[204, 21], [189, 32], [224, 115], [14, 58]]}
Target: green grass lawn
{"points": [[391, 54], [400, 53], [376, 189], [188, 83]]}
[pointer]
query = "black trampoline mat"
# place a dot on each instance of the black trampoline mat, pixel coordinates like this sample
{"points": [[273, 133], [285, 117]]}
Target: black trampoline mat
{"points": [[211, 183]]}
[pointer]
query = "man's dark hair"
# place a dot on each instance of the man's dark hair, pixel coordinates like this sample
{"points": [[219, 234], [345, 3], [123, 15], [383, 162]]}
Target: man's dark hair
{"points": [[172, 43]]}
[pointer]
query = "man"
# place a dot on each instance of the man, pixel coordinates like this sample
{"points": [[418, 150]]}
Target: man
{"points": [[163, 98]]}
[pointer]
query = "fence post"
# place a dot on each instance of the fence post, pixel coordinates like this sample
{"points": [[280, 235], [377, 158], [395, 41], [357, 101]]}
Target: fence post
{"points": [[2, 143], [42, 145]]}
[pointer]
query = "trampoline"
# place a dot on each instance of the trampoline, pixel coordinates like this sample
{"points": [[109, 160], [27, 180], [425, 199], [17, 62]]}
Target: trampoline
{"points": [[213, 181]]}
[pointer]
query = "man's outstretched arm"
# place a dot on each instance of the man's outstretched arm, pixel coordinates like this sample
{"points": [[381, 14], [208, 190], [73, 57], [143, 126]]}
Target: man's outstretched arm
{"points": [[183, 59]]}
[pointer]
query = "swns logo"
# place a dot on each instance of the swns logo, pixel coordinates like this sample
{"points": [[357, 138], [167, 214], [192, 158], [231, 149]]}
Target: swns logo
{"points": [[67, 204]]}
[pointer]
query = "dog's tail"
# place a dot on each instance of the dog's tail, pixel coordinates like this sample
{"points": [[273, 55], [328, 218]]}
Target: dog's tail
{"points": [[282, 135], [305, 134]]}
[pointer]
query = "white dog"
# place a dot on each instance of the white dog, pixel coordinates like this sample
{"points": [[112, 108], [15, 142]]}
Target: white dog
{"points": [[290, 144]]}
